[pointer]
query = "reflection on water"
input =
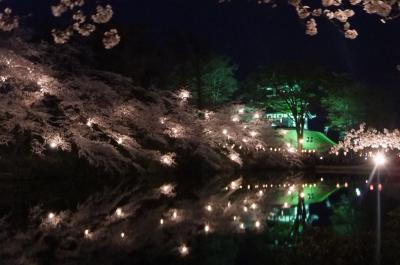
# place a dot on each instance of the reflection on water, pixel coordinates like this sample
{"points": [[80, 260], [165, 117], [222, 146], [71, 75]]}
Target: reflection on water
{"points": [[275, 210]]}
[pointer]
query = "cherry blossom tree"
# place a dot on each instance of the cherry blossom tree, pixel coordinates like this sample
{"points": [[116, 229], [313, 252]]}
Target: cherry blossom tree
{"points": [[366, 139], [339, 12], [79, 22], [112, 124]]}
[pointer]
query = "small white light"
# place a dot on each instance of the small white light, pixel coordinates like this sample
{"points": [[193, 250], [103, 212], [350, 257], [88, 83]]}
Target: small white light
{"points": [[257, 224], [253, 133], [122, 235], [184, 250], [302, 195], [51, 215], [245, 209], [120, 140], [174, 215], [209, 208], [206, 228], [358, 192], [119, 212], [161, 221], [225, 131], [241, 225], [234, 218], [253, 206], [53, 145], [285, 205]]}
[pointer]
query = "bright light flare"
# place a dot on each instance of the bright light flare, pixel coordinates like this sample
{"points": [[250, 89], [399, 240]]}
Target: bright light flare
{"points": [[183, 250], [379, 159], [119, 212]]}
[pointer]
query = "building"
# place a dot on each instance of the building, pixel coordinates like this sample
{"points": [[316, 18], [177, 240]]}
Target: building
{"points": [[285, 120]]}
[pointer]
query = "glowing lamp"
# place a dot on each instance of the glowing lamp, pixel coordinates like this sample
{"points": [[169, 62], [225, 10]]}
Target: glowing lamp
{"points": [[253, 134], [257, 224], [183, 250], [379, 159], [235, 118], [53, 145], [119, 212], [51, 215], [206, 228]]}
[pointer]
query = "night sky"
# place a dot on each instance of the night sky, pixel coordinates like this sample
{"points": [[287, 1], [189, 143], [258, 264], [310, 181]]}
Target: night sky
{"points": [[254, 35], [258, 35]]}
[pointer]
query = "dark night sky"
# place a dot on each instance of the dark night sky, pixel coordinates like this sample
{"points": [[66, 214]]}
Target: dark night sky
{"points": [[259, 35], [256, 35]]}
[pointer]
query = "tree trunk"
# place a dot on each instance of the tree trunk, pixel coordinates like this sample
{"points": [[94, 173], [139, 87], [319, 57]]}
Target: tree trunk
{"points": [[299, 133]]}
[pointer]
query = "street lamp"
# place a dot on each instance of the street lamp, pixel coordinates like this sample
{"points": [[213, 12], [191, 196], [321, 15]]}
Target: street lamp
{"points": [[379, 160]]}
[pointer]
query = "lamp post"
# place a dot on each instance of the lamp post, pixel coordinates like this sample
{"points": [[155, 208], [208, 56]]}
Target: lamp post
{"points": [[379, 160]]}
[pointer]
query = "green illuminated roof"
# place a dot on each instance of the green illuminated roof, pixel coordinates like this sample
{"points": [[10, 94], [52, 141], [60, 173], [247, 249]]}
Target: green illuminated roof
{"points": [[312, 194], [312, 140]]}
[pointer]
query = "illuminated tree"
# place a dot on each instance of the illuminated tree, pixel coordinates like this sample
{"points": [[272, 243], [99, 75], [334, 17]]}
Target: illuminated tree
{"points": [[288, 89], [368, 139], [78, 21], [211, 79], [106, 120], [344, 105], [338, 12]]}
